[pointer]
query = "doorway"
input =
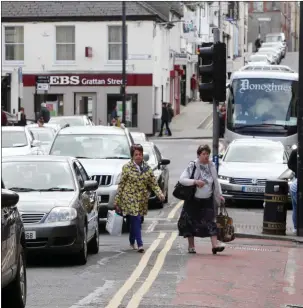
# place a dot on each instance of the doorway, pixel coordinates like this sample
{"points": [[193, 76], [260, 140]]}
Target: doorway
{"points": [[86, 104]]}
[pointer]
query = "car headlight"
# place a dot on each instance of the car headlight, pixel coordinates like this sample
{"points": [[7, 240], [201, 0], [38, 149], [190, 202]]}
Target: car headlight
{"points": [[225, 178], [59, 214], [118, 179]]}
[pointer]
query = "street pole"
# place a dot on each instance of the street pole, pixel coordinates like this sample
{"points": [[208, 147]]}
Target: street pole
{"points": [[300, 134], [216, 120], [123, 89]]}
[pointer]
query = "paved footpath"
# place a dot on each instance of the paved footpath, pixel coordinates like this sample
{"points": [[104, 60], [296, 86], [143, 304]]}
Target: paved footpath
{"points": [[252, 274]]}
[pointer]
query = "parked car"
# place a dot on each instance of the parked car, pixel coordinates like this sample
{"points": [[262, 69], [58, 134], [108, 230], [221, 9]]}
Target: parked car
{"points": [[277, 37], [277, 45], [18, 140], [260, 59], [76, 120], [271, 51], [159, 165], [11, 118], [45, 135], [13, 250], [56, 127], [248, 163], [139, 137], [103, 150], [58, 204]]}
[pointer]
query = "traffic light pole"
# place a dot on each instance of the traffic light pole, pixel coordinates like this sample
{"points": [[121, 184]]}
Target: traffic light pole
{"points": [[300, 134], [216, 120], [123, 88]]}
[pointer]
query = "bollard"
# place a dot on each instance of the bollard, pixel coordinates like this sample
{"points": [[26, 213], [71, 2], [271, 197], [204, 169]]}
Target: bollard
{"points": [[275, 209]]}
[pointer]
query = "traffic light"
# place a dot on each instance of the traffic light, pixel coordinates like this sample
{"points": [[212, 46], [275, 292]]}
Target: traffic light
{"points": [[212, 69]]}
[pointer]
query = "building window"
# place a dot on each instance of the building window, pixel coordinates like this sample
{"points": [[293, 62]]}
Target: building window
{"points": [[114, 107], [14, 43], [115, 42], [258, 6], [65, 43]]}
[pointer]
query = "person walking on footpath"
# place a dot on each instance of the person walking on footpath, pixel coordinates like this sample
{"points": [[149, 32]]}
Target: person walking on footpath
{"points": [[165, 120], [22, 121], [198, 216], [44, 113], [292, 165], [137, 179], [193, 87]]}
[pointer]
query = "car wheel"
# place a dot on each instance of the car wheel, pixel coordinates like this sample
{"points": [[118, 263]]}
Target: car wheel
{"points": [[93, 245], [81, 257], [14, 295]]}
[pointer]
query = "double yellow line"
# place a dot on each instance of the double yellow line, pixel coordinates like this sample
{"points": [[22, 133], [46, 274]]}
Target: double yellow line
{"points": [[138, 296]]}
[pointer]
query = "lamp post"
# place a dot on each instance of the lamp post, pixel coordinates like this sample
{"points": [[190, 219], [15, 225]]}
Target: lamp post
{"points": [[123, 88]]}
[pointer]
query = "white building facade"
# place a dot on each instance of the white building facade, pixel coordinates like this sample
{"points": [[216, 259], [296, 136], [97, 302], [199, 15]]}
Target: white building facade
{"points": [[82, 60]]}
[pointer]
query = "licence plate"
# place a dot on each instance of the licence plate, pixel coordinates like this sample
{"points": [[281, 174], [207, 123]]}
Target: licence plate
{"points": [[253, 189], [30, 235]]}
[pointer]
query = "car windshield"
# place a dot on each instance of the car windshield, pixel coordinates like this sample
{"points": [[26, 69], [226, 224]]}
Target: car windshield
{"points": [[260, 58], [148, 149], [92, 146], [63, 121], [139, 138], [273, 38], [13, 139], [240, 153], [43, 134], [262, 101], [37, 175]]}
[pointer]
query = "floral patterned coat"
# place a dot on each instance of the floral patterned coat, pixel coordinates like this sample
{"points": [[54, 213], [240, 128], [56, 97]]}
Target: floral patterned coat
{"points": [[134, 189]]}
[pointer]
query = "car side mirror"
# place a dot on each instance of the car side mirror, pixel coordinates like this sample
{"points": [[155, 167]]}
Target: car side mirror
{"points": [[36, 143], [146, 157], [8, 198], [220, 156], [165, 162], [90, 185]]}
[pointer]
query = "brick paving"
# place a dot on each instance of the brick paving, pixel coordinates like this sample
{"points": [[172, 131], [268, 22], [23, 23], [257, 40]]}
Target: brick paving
{"points": [[253, 274]]}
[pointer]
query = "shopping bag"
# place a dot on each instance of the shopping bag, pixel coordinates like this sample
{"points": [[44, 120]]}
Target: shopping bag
{"points": [[226, 229], [114, 223]]}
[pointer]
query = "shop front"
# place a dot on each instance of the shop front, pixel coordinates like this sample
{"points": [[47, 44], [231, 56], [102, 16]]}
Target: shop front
{"points": [[95, 95]]}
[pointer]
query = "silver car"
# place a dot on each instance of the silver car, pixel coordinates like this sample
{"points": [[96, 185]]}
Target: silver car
{"points": [[248, 163], [103, 150], [139, 137]]}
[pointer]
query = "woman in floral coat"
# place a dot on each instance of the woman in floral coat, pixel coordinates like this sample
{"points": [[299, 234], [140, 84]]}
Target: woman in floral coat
{"points": [[137, 180]]}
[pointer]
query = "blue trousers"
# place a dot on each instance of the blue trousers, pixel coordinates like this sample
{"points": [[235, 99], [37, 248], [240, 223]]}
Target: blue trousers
{"points": [[135, 230], [293, 195]]}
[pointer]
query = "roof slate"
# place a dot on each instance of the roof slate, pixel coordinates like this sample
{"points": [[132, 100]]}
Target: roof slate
{"points": [[40, 9]]}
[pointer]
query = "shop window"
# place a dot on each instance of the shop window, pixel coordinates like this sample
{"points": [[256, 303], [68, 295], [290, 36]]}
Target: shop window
{"points": [[114, 102], [14, 43], [65, 43], [54, 103], [115, 42]]}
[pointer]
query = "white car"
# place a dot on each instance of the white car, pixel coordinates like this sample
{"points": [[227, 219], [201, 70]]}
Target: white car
{"points": [[139, 137], [45, 135], [248, 163], [278, 45], [18, 140], [260, 59], [54, 126], [268, 50]]}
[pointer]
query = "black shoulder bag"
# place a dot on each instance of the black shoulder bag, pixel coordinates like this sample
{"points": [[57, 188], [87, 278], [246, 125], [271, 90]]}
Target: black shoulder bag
{"points": [[183, 192]]}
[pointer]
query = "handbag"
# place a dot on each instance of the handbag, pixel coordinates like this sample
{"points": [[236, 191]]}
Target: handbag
{"points": [[183, 192], [226, 229]]}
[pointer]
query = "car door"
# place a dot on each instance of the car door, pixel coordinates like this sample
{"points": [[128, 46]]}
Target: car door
{"points": [[90, 198], [83, 198], [163, 168]]}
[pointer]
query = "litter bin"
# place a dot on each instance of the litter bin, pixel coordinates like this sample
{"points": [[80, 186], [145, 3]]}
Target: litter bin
{"points": [[275, 209]]}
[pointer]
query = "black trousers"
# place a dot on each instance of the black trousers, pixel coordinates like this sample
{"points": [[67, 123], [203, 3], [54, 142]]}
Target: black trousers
{"points": [[167, 127]]}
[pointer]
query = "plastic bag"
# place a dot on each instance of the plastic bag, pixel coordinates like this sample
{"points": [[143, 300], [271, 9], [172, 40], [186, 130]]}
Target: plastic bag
{"points": [[114, 223]]}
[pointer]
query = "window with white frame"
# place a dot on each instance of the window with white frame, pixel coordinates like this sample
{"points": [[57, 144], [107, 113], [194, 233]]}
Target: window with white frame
{"points": [[65, 43], [115, 42], [14, 43]]}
